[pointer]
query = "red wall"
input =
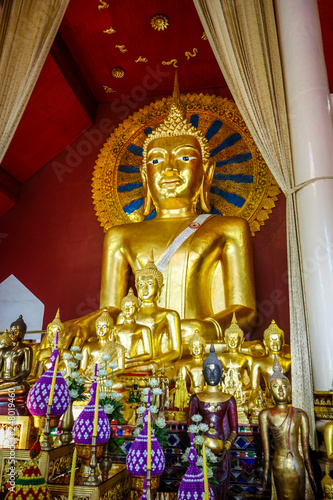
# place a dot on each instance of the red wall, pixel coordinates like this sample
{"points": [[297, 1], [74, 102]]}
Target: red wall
{"points": [[52, 242]]}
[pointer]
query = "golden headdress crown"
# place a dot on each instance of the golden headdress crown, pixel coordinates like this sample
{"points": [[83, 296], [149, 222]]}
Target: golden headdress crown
{"points": [[56, 326], [196, 337], [104, 317], [130, 297], [327, 480], [151, 270], [234, 327], [273, 328], [176, 124], [56, 323]]}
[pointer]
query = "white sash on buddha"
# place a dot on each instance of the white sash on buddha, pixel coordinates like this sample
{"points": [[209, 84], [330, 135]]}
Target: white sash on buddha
{"points": [[165, 258]]}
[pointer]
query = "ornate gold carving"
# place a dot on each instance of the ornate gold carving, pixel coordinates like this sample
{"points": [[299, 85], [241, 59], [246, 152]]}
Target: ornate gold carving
{"points": [[159, 22], [102, 5], [122, 48], [118, 72], [109, 31], [204, 36], [173, 62], [108, 90], [141, 59], [259, 195], [189, 55]]}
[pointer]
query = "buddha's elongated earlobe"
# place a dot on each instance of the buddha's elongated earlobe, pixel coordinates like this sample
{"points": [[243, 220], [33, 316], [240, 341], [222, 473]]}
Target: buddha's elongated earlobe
{"points": [[206, 184], [146, 193]]}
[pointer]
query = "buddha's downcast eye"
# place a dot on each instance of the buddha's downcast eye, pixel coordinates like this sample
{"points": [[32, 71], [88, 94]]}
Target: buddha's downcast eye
{"points": [[155, 161], [187, 158]]}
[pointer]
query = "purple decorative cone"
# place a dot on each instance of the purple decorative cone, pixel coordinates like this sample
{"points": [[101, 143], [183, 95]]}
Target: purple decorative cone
{"points": [[144, 491], [136, 460], [39, 394], [192, 486], [84, 425]]}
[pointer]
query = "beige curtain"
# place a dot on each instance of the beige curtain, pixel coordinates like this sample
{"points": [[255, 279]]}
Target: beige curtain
{"points": [[27, 30], [242, 34]]}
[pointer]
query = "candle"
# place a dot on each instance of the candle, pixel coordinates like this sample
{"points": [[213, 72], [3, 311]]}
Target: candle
{"points": [[53, 381], [206, 496], [149, 442], [71, 484], [96, 411], [57, 339]]}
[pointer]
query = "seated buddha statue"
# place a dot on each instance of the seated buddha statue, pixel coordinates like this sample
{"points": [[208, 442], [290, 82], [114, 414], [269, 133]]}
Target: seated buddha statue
{"points": [[135, 338], [55, 337], [206, 261], [164, 324], [327, 485], [262, 368], [15, 361], [234, 357], [219, 412], [288, 427], [191, 369], [94, 351]]}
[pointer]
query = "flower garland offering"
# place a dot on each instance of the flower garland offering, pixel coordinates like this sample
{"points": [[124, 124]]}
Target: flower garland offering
{"points": [[110, 400], [197, 430], [76, 384], [158, 423]]}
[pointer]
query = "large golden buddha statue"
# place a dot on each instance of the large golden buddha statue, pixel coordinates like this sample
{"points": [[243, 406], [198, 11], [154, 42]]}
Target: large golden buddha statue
{"points": [[206, 260]]}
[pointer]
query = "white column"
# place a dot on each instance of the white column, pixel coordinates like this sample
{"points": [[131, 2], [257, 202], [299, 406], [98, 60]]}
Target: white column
{"points": [[309, 114]]}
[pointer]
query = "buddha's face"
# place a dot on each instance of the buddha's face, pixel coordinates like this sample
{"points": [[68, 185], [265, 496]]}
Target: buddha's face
{"points": [[16, 333], [103, 328], [233, 340], [212, 374], [129, 309], [147, 287], [52, 335], [328, 490], [174, 171], [196, 348], [274, 343], [279, 389]]}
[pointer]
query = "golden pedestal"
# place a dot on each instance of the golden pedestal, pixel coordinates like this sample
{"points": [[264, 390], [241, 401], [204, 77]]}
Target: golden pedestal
{"points": [[115, 487]]}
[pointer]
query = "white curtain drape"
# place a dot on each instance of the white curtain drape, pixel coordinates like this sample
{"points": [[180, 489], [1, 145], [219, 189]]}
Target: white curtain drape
{"points": [[242, 34], [27, 30]]}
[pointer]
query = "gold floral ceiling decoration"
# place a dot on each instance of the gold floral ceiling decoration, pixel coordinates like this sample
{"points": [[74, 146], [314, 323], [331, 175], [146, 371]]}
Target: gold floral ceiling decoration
{"points": [[242, 185]]}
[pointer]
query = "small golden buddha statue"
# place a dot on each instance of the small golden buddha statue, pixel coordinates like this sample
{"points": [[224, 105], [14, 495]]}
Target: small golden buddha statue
{"points": [[164, 385], [181, 394], [43, 351], [232, 385], [15, 361], [289, 428], [327, 485], [164, 324], [262, 368], [191, 370], [134, 337], [234, 357], [94, 351], [5, 339]]}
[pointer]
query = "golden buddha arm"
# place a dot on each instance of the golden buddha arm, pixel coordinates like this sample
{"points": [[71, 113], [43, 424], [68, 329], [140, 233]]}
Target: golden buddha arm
{"points": [[237, 262], [175, 340], [328, 439], [255, 380], [85, 359], [263, 423], [115, 270], [305, 446]]}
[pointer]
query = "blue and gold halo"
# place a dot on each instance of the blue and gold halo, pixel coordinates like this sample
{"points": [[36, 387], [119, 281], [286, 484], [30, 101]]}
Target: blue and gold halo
{"points": [[242, 184]]}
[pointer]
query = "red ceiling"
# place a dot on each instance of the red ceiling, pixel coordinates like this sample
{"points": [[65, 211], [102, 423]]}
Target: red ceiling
{"points": [[71, 83]]}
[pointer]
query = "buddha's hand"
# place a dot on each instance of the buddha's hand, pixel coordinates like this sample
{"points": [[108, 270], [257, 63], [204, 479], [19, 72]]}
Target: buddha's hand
{"points": [[312, 478], [266, 473]]}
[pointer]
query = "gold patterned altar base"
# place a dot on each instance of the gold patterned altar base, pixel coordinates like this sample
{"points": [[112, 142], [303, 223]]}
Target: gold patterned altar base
{"points": [[116, 487]]}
